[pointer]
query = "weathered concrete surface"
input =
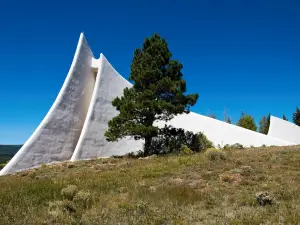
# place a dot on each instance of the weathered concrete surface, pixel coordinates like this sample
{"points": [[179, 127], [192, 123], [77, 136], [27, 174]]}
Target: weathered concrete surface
{"points": [[92, 142], [57, 135]]}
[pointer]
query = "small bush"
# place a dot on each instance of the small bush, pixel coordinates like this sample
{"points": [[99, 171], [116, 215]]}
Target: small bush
{"points": [[69, 192], [32, 174], [63, 206], [203, 142], [3, 164], [246, 170], [231, 178], [238, 162], [56, 205], [135, 155], [118, 156], [44, 166], [171, 139], [185, 150], [264, 198], [54, 216], [83, 198], [234, 146], [70, 165], [215, 154], [60, 212], [225, 177]]}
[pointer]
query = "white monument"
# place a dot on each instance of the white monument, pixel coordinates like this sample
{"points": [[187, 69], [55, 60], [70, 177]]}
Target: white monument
{"points": [[74, 127]]}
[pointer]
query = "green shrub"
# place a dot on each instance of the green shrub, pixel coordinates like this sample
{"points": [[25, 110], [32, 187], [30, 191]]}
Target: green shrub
{"points": [[203, 142], [2, 165], [247, 121], [60, 212], [171, 139], [63, 206], [246, 170], [83, 198], [69, 192], [185, 150], [296, 117], [264, 198], [234, 146], [55, 205], [215, 154], [43, 166], [32, 174]]}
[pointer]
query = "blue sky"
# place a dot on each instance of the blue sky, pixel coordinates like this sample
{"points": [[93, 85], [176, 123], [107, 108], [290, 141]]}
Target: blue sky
{"points": [[241, 55]]}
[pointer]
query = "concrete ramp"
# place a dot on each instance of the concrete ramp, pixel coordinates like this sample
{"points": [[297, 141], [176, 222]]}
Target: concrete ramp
{"points": [[284, 130]]}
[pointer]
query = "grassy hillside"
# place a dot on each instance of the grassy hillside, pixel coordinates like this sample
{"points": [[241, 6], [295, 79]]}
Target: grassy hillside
{"points": [[7, 152], [163, 190]]}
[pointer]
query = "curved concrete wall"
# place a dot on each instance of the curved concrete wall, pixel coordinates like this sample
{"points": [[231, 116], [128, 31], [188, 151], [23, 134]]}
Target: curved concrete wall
{"points": [[284, 130], [58, 133], [92, 142], [221, 133]]}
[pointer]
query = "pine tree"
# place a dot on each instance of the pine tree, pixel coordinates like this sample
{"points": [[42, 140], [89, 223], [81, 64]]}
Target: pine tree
{"points": [[285, 118], [296, 117], [264, 124], [228, 120], [157, 94], [212, 116], [247, 121]]}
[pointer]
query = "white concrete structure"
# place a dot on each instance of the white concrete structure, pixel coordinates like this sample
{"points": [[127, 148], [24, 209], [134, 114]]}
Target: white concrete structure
{"points": [[284, 129], [58, 133], [74, 127], [92, 143], [222, 133]]}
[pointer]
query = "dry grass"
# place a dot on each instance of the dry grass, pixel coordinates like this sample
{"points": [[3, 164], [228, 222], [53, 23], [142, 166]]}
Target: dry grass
{"points": [[164, 190]]}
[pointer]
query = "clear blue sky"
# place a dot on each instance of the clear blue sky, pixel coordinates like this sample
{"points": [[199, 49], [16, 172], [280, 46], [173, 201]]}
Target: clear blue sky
{"points": [[242, 55]]}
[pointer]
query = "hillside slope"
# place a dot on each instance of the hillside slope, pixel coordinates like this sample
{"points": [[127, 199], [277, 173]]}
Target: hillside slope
{"points": [[162, 190], [8, 151]]}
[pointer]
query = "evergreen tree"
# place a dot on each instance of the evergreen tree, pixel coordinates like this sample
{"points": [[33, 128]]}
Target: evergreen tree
{"points": [[228, 120], [157, 94], [264, 124], [212, 116], [247, 121], [284, 118], [296, 117]]}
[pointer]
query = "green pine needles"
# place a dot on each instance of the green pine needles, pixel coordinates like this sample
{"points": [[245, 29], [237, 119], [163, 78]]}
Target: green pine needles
{"points": [[158, 93], [264, 124], [247, 121], [296, 117]]}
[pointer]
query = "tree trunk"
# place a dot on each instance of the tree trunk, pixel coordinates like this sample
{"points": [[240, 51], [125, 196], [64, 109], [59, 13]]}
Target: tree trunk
{"points": [[147, 147]]}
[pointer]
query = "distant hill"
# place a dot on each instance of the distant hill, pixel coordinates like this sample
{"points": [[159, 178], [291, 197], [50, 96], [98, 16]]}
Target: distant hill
{"points": [[8, 151]]}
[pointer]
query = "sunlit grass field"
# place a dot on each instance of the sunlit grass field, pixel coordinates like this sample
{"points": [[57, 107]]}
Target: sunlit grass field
{"points": [[183, 189]]}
